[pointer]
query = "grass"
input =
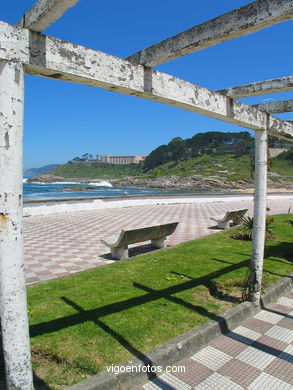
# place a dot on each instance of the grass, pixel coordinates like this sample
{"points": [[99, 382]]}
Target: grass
{"points": [[221, 164], [101, 171], [80, 324], [283, 167], [225, 165]]}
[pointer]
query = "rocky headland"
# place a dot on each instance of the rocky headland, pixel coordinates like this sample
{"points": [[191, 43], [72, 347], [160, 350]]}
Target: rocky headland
{"points": [[194, 182], [197, 183]]}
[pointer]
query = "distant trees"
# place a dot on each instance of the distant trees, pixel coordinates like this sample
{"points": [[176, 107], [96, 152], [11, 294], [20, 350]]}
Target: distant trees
{"points": [[243, 147], [200, 143]]}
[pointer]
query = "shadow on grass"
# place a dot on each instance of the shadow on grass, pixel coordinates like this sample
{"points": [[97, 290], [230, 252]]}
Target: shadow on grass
{"points": [[40, 384], [94, 315], [125, 343], [91, 315], [274, 273], [199, 309], [213, 288], [283, 250]]}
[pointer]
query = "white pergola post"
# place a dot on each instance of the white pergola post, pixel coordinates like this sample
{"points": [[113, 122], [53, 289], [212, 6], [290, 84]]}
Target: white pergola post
{"points": [[13, 304], [259, 218]]}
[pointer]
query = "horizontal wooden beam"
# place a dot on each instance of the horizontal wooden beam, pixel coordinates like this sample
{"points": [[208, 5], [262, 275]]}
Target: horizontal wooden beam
{"points": [[242, 21], [276, 107], [260, 88], [50, 57], [43, 13]]}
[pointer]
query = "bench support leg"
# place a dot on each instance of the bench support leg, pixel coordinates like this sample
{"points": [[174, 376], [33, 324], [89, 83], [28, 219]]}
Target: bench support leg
{"points": [[224, 225], [119, 253], [159, 243]]}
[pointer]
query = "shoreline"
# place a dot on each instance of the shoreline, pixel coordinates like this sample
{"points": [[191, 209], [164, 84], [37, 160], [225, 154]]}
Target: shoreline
{"points": [[61, 205]]}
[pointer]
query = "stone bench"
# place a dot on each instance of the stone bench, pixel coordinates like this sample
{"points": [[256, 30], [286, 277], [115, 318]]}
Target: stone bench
{"points": [[223, 221], [157, 234]]}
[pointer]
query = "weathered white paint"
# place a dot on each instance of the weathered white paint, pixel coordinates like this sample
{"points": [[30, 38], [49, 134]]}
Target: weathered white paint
{"points": [[276, 107], [239, 22], [260, 88], [50, 57], [45, 12], [13, 307], [51, 206], [259, 217]]}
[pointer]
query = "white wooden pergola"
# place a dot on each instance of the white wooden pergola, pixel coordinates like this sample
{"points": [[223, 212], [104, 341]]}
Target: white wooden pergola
{"points": [[23, 49]]}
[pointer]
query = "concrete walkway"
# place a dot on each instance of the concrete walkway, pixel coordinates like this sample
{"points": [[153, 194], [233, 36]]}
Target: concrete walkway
{"points": [[61, 244], [257, 355]]}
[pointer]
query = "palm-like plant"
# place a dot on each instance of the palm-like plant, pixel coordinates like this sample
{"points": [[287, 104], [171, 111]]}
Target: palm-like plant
{"points": [[245, 231]]}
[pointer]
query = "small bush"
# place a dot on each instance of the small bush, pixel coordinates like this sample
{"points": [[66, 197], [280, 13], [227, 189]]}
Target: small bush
{"points": [[245, 231]]}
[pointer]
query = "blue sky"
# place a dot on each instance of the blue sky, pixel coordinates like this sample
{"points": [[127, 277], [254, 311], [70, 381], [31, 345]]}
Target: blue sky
{"points": [[64, 120]]}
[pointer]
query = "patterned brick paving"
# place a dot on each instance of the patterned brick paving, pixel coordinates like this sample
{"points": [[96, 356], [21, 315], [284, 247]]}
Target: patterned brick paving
{"points": [[61, 244], [257, 355]]}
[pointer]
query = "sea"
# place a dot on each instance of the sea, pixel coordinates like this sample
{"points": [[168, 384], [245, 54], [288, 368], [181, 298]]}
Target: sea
{"points": [[39, 191]]}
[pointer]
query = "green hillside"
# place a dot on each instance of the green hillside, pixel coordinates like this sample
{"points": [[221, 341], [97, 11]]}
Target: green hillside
{"points": [[225, 165], [98, 171], [226, 155], [221, 164]]}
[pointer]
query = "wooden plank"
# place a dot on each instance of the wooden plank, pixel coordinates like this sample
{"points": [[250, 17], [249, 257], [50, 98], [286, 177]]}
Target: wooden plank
{"points": [[282, 84], [242, 21], [276, 107], [45, 12], [50, 57]]}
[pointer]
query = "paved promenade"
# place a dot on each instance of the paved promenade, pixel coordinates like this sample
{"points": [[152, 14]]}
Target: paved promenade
{"points": [[61, 244], [257, 355]]}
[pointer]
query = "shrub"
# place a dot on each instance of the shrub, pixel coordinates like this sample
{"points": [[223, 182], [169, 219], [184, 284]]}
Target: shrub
{"points": [[245, 231]]}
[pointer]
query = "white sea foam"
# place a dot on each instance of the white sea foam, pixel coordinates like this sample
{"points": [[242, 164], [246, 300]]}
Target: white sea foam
{"points": [[101, 184], [55, 182]]}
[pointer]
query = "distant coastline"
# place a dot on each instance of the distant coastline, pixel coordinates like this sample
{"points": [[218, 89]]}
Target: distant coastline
{"points": [[191, 183]]}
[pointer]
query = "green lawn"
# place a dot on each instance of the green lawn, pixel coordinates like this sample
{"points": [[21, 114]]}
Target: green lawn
{"points": [[80, 324]]}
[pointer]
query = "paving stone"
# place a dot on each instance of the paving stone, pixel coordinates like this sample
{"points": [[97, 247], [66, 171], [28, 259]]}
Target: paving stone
{"points": [[217, 381], [244, 334], [257, 325], [211, 358], [286, 302], [267, 316], [195, 372], [239, 372], [255, 357], [268, 382], [280, 333], [167, 382], [281, 369], [229, 345], [286, 322]]}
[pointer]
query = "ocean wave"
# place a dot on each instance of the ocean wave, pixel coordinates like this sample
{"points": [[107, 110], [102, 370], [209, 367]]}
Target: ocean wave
{"points": [[101, 184], [55, 182], [24, 180]]}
